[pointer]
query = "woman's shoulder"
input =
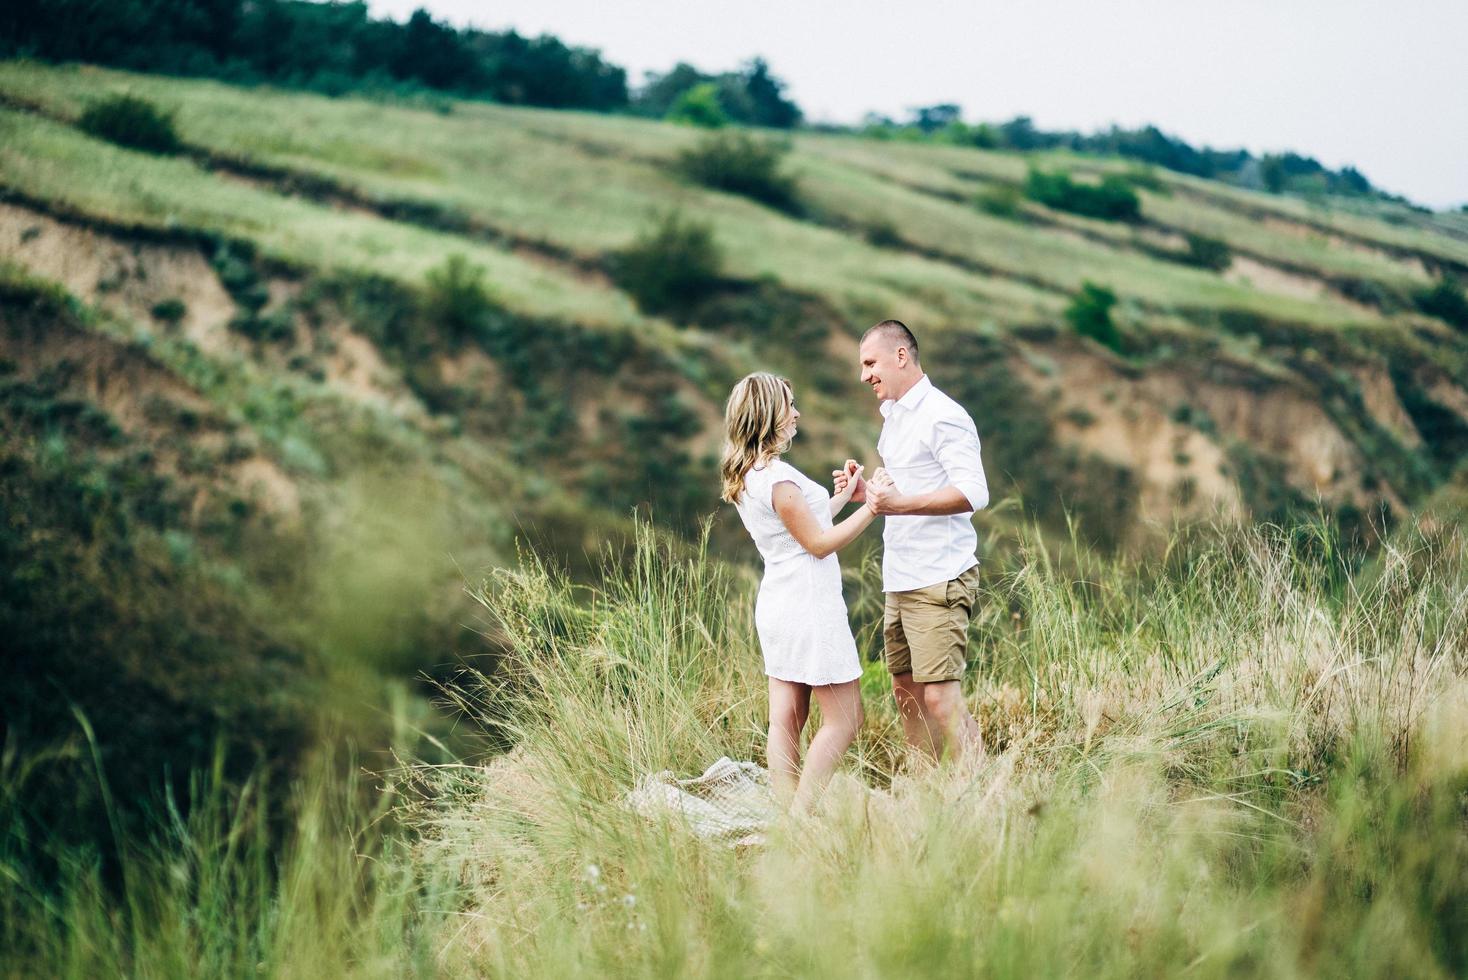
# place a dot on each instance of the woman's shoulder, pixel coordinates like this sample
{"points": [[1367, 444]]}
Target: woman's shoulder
{"points": [[779, 471], [761, 479], [772, 470]]}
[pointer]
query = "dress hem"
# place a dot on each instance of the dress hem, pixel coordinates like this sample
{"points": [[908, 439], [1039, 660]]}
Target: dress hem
{"points": [[801, 680]]}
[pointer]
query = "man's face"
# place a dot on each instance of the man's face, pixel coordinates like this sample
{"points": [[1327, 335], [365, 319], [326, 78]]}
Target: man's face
{"points": [[882, 366]]}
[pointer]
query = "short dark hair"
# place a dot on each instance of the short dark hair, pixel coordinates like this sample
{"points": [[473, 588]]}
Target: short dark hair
{"points": [[897, 332]]}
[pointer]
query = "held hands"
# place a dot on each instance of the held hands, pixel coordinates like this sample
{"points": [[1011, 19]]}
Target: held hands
{"points": [[848, 478], [881, 492], [847, 484]]}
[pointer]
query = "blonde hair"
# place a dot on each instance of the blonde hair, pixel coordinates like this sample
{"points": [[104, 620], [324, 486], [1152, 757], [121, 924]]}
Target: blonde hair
{"points": [[757, 408]]}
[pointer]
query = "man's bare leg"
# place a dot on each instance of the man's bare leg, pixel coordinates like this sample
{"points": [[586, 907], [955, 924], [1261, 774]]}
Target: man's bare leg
{"points": [[917, 724], [947, 712]]}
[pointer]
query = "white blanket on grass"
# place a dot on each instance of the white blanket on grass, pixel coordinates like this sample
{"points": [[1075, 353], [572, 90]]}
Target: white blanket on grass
{"points": [[731, 801]]}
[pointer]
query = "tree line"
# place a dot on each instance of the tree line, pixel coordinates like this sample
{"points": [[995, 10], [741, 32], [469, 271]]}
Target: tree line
{"points": [[327, 47], [338, 47], [1274, 172]]}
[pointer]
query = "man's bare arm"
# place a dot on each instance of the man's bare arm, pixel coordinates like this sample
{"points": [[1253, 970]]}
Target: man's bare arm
{"points": [[938, 503]]}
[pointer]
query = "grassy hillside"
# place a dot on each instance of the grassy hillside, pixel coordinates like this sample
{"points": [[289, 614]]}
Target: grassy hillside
{"points": [[540, 199], [363, 347], [1242, 761]]}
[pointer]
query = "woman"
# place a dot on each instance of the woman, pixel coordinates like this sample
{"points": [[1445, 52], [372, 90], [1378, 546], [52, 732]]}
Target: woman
{"points": [[800, 615]]}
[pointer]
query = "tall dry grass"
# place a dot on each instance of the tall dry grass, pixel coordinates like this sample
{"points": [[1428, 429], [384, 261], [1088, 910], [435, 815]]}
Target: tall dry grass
{"points": [[1242, 756], [1245, 756]]}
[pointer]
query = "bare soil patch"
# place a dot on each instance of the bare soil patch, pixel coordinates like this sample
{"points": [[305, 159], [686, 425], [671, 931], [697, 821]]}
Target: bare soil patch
{"points": [[127, 278]]}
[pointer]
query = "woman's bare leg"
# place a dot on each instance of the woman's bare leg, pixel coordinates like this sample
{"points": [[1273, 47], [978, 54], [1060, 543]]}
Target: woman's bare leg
{"points": [[840, 718], [789, 708]]}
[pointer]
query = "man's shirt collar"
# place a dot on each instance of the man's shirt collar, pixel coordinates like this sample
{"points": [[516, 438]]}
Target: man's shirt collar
{"points": [[911, 400]]}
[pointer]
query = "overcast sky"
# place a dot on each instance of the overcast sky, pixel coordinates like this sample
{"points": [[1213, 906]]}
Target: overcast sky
{"points": [[1383, 86]]}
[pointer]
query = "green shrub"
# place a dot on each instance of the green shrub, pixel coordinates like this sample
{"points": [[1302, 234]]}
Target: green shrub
{"points": [[1445, 300], [883, 234], [1001, 201], [278, 325], [132, 122], [1272, 173], [1444, 432], [741, 164], [700, 106], [1089, 314], [670, 266], [1147, 179], [1110, 200], [170, 311], [1208, 253], [1386, 297], [234, 263], [456, 297]]}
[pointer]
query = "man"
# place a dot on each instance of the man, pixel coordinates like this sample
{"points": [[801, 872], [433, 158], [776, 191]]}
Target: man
{"points": [[930, 484]]}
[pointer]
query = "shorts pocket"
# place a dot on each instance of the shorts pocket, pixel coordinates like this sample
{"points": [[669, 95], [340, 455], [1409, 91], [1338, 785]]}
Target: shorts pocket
{"points": [[963, 592], [935, 595]]}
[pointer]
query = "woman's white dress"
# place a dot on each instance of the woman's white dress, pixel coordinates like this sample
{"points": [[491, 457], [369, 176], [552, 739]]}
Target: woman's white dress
{"points": [[800, 615]]}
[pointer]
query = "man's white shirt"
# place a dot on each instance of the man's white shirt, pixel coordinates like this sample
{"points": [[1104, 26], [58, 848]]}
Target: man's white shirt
{"points": [[929, 442]]}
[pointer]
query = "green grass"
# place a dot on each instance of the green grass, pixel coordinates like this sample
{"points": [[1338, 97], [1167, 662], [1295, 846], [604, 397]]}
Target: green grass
{"points": [[1245, 758], [1058, 260], [55, 163], [588, 184], [502, 168], [1205, 207]]}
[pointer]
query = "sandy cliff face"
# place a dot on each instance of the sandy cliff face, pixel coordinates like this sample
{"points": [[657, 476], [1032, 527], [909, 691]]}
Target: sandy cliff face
{"points": [[127, 277], [1179, 427], [187, 439]]}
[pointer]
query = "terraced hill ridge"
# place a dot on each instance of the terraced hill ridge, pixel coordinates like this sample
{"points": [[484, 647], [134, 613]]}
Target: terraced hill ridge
{"points": [[288, 248]]}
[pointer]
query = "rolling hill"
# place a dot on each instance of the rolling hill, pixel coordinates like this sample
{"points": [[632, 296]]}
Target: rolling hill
{"points": [[250, 362]]}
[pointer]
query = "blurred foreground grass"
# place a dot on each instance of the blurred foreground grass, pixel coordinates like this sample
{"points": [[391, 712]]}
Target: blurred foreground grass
{"points": [[1246, 756]]}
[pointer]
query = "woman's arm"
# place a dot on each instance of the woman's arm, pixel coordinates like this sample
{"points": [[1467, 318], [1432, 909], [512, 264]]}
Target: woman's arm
{"points": [[803, 526]]}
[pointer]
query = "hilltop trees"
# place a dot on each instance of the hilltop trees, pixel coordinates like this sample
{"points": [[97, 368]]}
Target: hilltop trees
{"points": [[1287, 172], [752, 96], [932, 118], [699, 106], [337, 47], [765, 94], [329, 47]]}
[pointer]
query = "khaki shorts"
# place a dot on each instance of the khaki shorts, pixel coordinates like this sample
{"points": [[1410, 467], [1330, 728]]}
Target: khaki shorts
{"points": [[925, 631]]}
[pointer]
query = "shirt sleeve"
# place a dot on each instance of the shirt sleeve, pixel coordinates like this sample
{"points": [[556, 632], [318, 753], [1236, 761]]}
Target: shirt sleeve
{"points": [[956, 446], [779, 472]]}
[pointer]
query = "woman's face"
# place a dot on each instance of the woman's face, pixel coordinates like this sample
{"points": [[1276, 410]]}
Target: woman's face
{"points": [[788, 426]]}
